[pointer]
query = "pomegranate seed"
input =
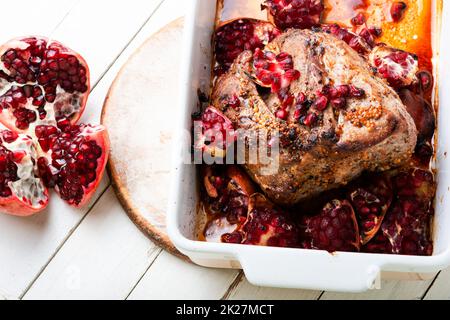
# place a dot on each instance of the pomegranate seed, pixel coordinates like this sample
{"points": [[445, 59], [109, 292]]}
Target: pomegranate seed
{"points": [[18, 156], [9, 136], [339, 103], [358, 20], [234, 102], [310, 119], [281, 114], [375, 31], [320, 103], [356, 92], [397, 10]]}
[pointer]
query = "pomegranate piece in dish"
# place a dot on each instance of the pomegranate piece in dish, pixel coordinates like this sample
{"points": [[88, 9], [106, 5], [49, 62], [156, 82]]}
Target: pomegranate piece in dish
{"points": [[371, 198], [237, 36], [41, 82], [398, 67], [334, 229], [268, 225], [299, 14], [228, 190], [407, 226]]}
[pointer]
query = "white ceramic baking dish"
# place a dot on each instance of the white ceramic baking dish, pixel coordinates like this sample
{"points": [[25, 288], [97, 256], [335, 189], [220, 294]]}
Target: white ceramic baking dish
{"points": [[292, 268]]}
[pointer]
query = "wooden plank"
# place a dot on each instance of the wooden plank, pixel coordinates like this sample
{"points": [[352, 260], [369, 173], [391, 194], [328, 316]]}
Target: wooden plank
{"points": [[390, 290], [246, 291], [40, 19], [440, 289], [171, 278], [27, 245], [96, 249], [102, 35]]}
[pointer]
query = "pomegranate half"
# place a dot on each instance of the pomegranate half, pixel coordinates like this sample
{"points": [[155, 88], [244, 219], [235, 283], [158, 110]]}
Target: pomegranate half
{"points": [[41, 82]]}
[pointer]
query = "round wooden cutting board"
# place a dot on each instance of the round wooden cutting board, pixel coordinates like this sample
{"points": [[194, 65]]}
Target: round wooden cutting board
{"points": [[137, 114]]}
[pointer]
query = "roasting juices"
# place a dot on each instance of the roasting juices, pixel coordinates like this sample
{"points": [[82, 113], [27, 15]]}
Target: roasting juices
{"points": [[363, 215]]}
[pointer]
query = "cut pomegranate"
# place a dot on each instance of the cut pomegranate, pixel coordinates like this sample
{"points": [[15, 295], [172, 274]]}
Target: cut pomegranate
{"points": [[407, 228], [398, 9], [407, 223], [398, 67], [272, 70], [74, 161], [22, 193], [268, 225], [228, 193], [300, 14], [334, 229], [214, 134], [41, 82], [371, 199], [236, 36]]}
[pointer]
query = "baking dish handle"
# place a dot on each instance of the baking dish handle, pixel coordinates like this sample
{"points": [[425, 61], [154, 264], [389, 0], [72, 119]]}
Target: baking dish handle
{"points": [[316, 270]]}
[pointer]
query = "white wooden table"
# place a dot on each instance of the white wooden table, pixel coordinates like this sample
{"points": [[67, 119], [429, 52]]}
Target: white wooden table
{"points": [[97, 252]]}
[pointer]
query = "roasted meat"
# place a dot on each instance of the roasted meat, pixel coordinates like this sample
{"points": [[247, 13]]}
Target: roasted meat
{"points": [[335, 120]]}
